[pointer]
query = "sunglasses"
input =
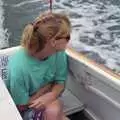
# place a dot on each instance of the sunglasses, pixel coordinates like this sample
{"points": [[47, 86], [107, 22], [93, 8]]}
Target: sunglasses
{"points": [[67, 38]]}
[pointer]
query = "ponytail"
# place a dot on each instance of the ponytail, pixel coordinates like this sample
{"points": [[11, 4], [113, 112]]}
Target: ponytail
{"points": [[27, 35]]}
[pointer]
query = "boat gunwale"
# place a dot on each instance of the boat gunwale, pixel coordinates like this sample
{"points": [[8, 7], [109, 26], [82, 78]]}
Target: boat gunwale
{"points": [[101, 68], [80, 57]]}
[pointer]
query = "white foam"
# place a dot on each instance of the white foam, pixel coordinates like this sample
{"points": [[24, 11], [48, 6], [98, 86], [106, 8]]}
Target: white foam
{"points": [[26, 2], [99, 13], [3, 37], [91, 19]]}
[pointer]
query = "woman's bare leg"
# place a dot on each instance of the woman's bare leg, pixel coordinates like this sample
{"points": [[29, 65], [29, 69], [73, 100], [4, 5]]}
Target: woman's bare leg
{"points": [[54, 111]]}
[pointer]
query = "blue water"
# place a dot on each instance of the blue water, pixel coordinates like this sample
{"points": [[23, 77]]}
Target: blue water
{"points": [[95, 25]]}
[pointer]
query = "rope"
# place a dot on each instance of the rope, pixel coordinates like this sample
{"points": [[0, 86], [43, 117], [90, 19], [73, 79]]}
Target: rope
{"points": [[50, 5]]}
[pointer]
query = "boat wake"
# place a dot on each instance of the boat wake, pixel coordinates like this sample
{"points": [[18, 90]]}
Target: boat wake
{"points": [[3, 32]]}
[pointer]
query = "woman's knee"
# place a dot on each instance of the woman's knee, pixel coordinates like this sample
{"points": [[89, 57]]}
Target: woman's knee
{"points": [[55, 108]]}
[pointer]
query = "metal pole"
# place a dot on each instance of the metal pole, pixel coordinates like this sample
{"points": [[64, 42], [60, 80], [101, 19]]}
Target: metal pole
{"points": [[50, 5]]}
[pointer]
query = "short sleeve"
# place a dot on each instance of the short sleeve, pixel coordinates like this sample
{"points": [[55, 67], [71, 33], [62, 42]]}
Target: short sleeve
{"points": [[61, 68]]}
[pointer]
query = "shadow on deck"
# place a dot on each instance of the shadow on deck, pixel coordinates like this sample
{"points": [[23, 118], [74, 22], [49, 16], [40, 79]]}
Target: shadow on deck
{"points": [[78, 116]]}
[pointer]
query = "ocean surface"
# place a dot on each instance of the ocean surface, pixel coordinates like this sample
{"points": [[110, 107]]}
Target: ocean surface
{"points": [[95, 25]]}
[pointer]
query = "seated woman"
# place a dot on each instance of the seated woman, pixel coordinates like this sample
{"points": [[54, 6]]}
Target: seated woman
{"points": [[38, 70]]}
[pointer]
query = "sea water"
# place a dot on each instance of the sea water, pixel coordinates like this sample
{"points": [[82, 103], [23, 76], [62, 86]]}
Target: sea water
{"points": [[3, 31], [95, 25]]}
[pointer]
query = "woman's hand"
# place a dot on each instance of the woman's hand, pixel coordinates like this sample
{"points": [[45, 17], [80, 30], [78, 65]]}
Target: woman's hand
{"points": [[42, 101], [41, 92]]}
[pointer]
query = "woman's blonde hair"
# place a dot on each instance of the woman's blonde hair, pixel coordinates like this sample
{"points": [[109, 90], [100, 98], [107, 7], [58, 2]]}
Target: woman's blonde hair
{"points": [[45, 27]]}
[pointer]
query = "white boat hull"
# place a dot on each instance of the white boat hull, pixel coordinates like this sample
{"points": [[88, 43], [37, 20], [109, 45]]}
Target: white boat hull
{"points": [[94, 89], [97, 89]]}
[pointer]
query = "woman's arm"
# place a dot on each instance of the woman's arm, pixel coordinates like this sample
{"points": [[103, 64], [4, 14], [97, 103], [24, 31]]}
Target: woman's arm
{"points": [[47, 98], [57, 89], [41, 92]]}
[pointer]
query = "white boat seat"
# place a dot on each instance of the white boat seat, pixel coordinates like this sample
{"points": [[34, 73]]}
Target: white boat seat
{"points": [[8, 111], [71, 103]]}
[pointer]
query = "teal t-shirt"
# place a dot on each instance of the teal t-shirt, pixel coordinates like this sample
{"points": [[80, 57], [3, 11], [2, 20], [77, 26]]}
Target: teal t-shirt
{"points": [[27, 74]]}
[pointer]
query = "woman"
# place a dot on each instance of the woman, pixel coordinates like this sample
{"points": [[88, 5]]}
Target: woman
{"points": [[38, 70]]}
